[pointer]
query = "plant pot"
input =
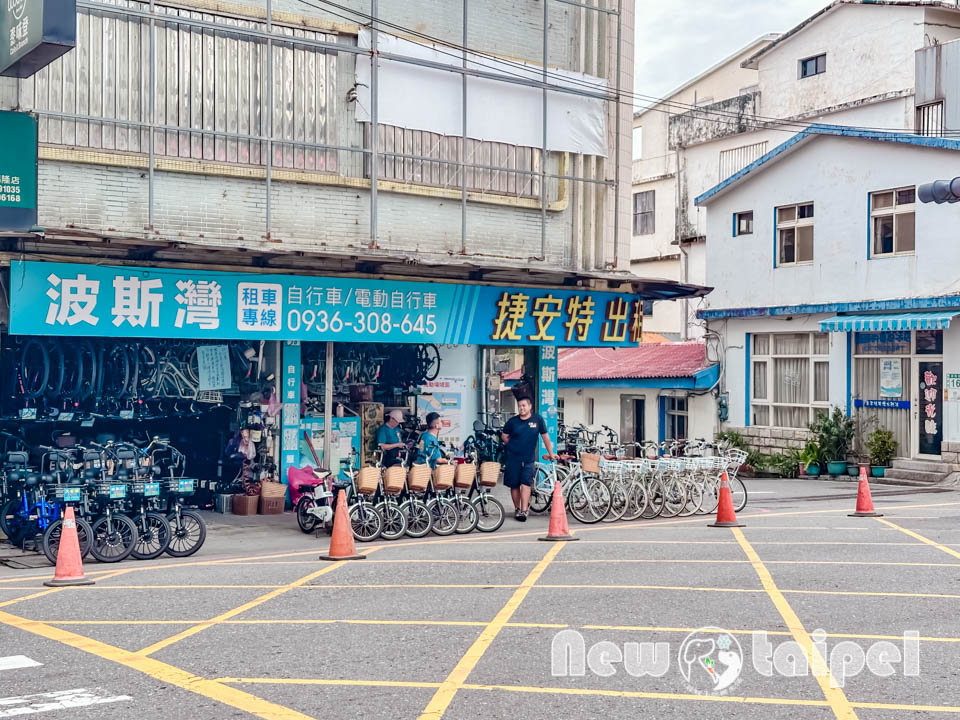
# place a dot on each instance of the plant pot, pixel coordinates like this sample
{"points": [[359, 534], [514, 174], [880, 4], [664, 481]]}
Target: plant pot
{"points": [[853, 470], [813, 470], [837, 467], [878, 470], [802, 472]]}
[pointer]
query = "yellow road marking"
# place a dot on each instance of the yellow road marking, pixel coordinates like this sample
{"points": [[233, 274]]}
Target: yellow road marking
{"points": [[589, 692], [834, 695], [320, 681], [190, 631], [158, 670], [494, 539], [444, 695], [30, 597], [921, 538]]}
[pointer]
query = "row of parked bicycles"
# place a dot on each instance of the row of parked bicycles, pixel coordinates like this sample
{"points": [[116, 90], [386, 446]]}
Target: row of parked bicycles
{"points": [[128, 499], [409, 500]]}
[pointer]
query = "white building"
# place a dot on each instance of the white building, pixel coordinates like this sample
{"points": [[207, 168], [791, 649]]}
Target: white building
{"points": [[841, 290], [851, 63]]}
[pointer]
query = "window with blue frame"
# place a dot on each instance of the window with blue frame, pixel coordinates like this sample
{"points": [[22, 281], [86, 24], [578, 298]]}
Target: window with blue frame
{"points": [[676, 417], [743, 223], [893, 222]]}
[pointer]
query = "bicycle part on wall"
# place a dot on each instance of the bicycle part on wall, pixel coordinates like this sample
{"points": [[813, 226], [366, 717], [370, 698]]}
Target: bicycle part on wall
{"points": [[389, 367]]}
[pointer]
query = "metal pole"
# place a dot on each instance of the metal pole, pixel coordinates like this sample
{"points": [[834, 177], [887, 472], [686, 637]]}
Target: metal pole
{"points": [[618, 110], [463, 141], [543, 151], [328, 407], [153, 113], [374, 109], [269, 163]]}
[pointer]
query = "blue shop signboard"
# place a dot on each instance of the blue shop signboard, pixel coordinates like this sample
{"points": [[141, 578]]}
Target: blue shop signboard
{"points": [[104, 301]]}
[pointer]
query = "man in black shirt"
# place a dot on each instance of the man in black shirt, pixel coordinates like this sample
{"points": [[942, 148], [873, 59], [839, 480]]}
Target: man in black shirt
{"points": [[520, 436]]}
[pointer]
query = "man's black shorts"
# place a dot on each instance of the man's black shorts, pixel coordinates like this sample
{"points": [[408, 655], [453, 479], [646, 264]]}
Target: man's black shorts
{"points": [[516, 474]]}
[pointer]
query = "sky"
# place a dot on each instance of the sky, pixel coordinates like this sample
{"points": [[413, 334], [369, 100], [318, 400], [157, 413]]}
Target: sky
{"points": [[679, 39]]}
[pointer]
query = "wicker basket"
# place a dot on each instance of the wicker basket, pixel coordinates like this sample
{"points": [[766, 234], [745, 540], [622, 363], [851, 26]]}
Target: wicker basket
{"points": [[368, 480], [443, 476], [590, 463], [418, 478], [465, 474], [489, 474], [393, 479], [273, 490]]}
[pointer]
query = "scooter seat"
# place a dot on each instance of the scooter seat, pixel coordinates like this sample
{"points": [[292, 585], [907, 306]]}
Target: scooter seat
{"points": [[308, 488]]}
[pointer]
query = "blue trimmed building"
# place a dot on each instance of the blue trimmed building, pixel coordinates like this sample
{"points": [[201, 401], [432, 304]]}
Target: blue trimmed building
{"points": [[840, 291]]}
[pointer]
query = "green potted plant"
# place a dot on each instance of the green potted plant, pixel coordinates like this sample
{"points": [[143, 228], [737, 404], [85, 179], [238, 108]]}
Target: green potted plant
{"points": [[864, 424], [834, 433], [810, 458], [883, 448]]}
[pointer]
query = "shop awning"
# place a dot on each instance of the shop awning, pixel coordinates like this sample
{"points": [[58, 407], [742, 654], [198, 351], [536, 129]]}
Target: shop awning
{"points": [[899, 321]]}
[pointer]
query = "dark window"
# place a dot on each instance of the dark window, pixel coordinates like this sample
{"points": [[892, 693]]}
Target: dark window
{"points": [[813, 66], [929, 342], [744, 223], [676, 417], [648, 308], [644, 207]]}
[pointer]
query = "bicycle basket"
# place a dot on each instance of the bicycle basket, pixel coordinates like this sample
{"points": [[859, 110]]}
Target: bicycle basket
{"points": [[368, 480], [736, 457], [444, 475], [418, 478], [393, 478], [489, 474], [214, 397], [590, 463]]}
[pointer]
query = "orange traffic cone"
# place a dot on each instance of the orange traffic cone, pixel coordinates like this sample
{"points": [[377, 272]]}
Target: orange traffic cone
{"points": [[341, 542], [726, 517], [558, 529], [864, 501], [69, 563]]}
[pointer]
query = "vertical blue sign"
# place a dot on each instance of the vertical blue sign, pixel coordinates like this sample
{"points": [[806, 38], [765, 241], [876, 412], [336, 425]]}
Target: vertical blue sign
{"points": [[549, 386], [290, 441]]}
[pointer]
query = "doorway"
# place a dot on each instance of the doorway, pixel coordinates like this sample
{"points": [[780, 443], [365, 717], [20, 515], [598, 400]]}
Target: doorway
{"points": [[632, 420]]}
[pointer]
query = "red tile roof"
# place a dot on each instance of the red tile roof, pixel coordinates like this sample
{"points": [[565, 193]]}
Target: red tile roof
{"points": [[649, 360]]}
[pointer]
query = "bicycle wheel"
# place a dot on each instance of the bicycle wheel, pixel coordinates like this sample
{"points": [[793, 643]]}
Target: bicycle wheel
{"points": [[34, 368], [394, 521], [674, 497], [636, 502], [10, 518], [445, 516], [655, 497], [419, 518], [490, 513], [540, 501], [113, 538], [694, 499], [618, 501], [589, 500], [188, 533], [51, 539], [467, 515], [429, 357], [153, 536], [306, 521], [365, 522], [739, 492], [711, 497], [57, 371]]}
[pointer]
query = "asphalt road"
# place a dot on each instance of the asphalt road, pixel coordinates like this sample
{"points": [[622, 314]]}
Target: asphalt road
{"points": [[501, 625]]}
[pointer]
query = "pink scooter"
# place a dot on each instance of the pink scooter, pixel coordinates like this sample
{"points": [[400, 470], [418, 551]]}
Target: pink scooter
{"points": [[310, 493]]}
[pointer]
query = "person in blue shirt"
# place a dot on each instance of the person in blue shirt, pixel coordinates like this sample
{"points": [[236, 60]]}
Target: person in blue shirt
{"points": [[430, 450], [389, 440], [520, 437]]}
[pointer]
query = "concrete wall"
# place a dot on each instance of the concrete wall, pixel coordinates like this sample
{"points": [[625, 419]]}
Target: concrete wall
{"points": [[836, 174], [869, 52]]}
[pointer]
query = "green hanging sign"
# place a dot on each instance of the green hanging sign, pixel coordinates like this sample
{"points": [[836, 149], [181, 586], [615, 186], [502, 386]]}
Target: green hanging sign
{"points": [[18, 170], [34, 33]]}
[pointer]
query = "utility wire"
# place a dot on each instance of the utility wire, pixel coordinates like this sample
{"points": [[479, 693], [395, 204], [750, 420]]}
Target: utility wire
{"points": [[774, 123]]}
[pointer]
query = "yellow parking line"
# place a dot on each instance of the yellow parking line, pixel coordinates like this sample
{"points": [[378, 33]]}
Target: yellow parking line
{"points": [[190, 631], [29, 597], [444, 695], [921, 538], [313, 681], [912, 708], [158, 670], [834, 695]]}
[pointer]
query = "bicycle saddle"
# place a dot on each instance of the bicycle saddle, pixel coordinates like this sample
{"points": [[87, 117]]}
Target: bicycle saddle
{"points": [[308, 488], [91, 475], [47, 479], [14, 476], [32, 479]]}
